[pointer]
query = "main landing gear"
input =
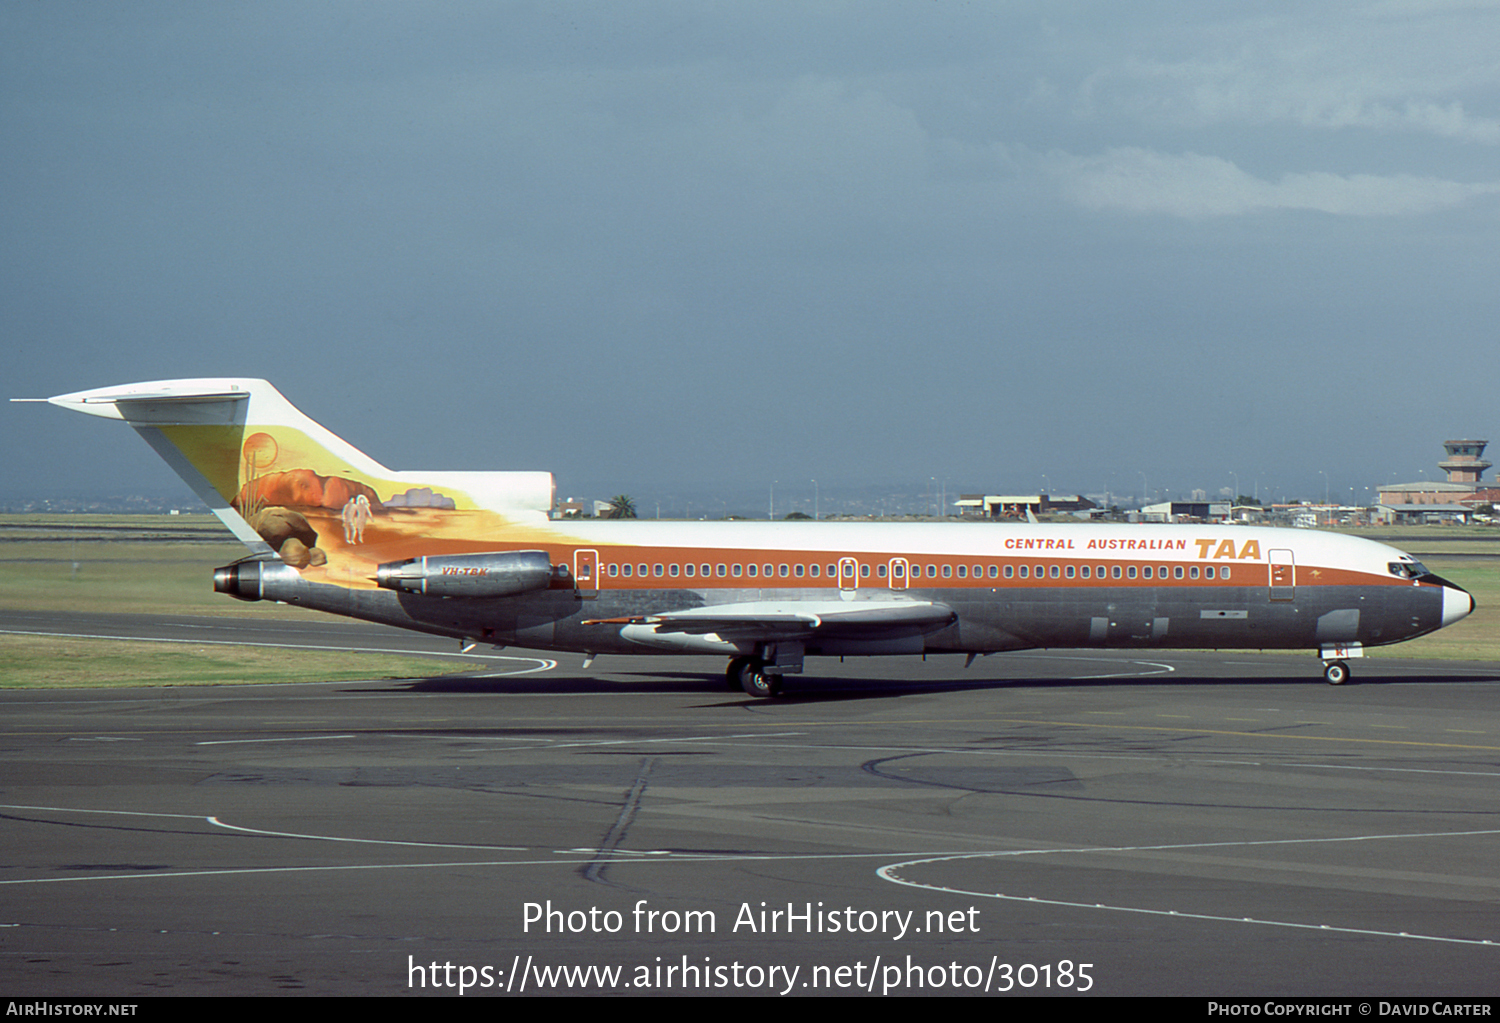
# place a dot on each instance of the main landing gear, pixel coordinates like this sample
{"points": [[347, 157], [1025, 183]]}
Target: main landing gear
{"points": [[1336, 673], [750, 674]]}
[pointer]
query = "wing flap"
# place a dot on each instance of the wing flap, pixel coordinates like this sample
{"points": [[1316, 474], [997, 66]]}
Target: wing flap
{"points": [[798, 620]]}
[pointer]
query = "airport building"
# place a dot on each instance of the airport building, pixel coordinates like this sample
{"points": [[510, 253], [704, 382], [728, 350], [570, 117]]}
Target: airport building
{"points": [[1001, 506], [1186, 511], [1460, 496]]}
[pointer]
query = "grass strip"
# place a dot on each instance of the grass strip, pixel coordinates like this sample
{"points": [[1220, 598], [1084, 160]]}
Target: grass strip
{"points": [[47, 662]]}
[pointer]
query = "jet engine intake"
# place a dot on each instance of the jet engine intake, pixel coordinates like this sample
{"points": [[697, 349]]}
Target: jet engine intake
{"points": [[501, 574]]}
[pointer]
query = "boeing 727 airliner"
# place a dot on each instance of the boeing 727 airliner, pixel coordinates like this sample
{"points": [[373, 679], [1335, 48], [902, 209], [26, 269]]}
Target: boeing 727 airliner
{"points": [[476, 556]]}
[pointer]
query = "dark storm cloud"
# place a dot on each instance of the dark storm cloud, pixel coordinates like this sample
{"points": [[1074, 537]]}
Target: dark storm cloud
{"points": [[660, 245]]}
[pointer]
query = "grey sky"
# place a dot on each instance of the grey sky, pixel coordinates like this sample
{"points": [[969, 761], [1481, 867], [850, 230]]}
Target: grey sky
{"points": [[666, 246]]}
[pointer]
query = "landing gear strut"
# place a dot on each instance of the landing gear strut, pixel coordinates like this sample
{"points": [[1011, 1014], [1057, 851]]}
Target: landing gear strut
{"points": [[1336, 673], [749, 674]]}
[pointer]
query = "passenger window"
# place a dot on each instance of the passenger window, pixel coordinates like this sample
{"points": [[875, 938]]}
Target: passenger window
{"points": [[1115, 571], [627, 569], [1069, 572], [735, 571], [898, 570], [1224, 574], [1130, 572], [751, 570], [782, 571], [1083, 570], [963, 571], [1025, 571], [614, 570], [688, 570], [994, 571], [642, 569], [1041, 571], [1055, 571], [1193, 572], [864, 571], [932, 571], [813, 570], [1146, 572], [947, 571], [1208, 573], [719, 571], [672, 570], [833, 571], [798, 571], [880, 571], [1177, 572], [768, 571]]}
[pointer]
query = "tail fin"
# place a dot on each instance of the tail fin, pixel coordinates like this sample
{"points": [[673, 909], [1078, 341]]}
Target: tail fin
{"points": [[286, 486]]}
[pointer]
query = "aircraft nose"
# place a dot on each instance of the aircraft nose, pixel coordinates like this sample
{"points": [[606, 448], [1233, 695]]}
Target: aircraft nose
{"points": [[1457, 603]]}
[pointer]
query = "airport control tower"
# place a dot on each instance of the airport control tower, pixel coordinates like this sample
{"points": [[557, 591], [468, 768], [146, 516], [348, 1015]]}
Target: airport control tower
{"points": [[1464, 463]]}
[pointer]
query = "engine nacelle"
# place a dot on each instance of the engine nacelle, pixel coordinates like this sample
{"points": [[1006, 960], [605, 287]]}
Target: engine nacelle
{"points": [[260, 580], [469, 575]]}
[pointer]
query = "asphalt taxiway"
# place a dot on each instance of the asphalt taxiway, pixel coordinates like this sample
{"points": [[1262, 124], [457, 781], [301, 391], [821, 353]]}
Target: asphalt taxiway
{"points": [[1182, 823]]}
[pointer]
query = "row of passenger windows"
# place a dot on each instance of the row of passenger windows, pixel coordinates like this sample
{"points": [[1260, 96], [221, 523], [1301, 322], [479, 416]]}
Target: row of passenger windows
{"points": [[898, 571], [737, 571]]}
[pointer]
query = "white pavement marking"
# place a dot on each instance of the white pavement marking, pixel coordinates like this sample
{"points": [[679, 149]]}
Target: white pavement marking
{"points": [[363, 841], [888, 873], [1162, 669], [294, 738]]}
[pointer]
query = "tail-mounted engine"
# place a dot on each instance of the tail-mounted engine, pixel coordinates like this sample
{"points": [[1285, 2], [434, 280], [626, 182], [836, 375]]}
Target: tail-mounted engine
{"points": [[472, 575], [260, 579]]}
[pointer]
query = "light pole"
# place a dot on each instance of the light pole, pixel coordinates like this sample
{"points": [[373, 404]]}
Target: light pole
{"points": [[815, 500]]}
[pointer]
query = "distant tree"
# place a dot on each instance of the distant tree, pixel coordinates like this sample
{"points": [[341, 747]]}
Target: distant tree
{"points": [[1242, 501], [621, 507], [797, 515]]}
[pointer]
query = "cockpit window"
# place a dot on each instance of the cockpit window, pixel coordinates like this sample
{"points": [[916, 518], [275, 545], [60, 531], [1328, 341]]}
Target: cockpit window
{"points": [[1407, 569]]}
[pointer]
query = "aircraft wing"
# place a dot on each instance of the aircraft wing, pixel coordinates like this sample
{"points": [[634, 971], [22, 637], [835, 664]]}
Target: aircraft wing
{"points": [[799, 620]]}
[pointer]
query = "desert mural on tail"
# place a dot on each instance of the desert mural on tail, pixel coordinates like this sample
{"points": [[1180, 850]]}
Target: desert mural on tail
{"points": [[326, 519]]}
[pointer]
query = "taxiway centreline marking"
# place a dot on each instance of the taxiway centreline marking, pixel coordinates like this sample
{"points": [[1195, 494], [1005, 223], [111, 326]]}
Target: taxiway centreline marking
{"points": [[887, 873], [666, 856], [1181, 915], [1219, 731], [363, 841], [123, 813], [294, 738]]}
